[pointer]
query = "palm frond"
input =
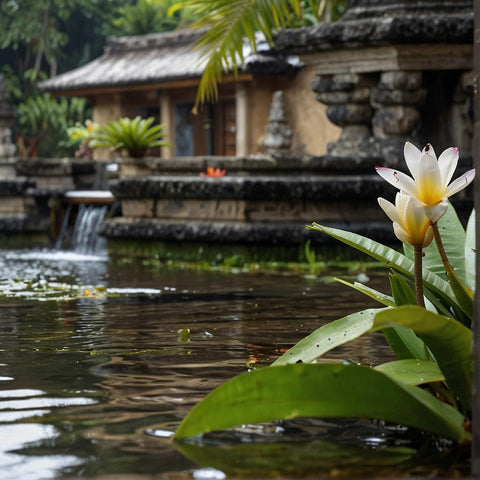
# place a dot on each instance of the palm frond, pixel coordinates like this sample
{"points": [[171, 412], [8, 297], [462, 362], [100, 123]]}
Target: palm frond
{"points": [[229, 23]]}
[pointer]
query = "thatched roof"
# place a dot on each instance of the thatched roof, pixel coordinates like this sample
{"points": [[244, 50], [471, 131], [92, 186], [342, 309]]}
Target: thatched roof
{"points": [[155, 58]]}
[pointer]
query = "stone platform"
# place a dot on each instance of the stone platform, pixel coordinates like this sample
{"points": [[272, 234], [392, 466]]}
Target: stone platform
{"points": [[247, 209]]}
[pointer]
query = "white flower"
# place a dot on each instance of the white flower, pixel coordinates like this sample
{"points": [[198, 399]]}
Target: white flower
{"points": [[410, 223], [431, 177]]}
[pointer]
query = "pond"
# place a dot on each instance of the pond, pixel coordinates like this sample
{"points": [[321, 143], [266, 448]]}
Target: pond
{"points": [[101, 359]]}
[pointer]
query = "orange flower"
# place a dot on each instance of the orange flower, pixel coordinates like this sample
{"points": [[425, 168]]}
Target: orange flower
{"points": [[213, 172]]}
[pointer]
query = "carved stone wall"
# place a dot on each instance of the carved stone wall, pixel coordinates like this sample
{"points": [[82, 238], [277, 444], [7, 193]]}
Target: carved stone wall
{"points": [[392, 71]]}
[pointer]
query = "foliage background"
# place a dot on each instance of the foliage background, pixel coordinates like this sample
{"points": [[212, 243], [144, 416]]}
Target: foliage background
{"points": [[42, 38]]}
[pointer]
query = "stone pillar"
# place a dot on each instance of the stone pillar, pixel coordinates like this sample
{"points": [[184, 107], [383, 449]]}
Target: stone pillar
{"points": [[241, 121], [7, 117], [278, 134], [395, 100], [167, 118], [347, 97]]}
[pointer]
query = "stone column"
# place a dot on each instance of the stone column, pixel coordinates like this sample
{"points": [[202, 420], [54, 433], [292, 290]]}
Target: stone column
{"points": [[241, 121], [395, 99], [7, 117], [347, 97]]}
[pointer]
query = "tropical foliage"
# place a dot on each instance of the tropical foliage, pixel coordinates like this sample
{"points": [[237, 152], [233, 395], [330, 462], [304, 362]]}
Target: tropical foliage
{"points": [[428, 387], [149, 16], [43, 122], [40, 38], [229, 23], [135, 136]]}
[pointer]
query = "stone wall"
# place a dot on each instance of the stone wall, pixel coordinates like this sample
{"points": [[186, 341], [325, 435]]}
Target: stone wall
{"points": [[390, 72]]}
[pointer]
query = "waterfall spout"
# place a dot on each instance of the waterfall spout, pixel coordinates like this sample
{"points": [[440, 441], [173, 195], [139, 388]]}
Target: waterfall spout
{"points": [[80, 227]]}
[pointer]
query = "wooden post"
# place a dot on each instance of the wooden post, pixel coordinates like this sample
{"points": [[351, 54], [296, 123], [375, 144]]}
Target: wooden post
{"points": [[476, 312], [167, 119]]}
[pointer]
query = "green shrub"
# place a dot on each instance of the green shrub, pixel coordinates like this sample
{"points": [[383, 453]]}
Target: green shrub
{"points": [[135, 136]]}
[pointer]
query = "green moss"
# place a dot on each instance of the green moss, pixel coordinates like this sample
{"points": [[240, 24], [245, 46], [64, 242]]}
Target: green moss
{"points": [[24, 240], [233, 257]]}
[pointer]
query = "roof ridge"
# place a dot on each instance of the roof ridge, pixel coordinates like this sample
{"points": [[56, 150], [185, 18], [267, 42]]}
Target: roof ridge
{"points": [[152, 40]]}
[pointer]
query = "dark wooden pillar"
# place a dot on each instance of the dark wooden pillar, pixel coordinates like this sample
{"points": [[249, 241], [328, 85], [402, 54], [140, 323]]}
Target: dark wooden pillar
{"points": [[476, 329]]}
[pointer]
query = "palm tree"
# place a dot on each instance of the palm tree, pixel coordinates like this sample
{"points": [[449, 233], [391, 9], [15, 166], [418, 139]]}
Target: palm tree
{"points": [[230, 22]]}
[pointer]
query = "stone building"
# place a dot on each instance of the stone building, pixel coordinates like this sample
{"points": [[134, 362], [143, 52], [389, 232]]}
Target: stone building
{"points": [[391, 71], [158, 75]]}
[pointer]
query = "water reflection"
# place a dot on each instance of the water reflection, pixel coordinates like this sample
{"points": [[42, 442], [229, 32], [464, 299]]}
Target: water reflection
{"points": [[101, 380]]}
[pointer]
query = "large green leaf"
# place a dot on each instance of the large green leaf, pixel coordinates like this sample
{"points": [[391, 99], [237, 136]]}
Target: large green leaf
{"points": [[412, 371], [329, 336], [449, 341], [323, 390], [395, 260], [470, 250]]}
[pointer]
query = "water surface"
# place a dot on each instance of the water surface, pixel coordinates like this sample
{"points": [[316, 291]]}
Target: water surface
{"points": [[101, 359]]}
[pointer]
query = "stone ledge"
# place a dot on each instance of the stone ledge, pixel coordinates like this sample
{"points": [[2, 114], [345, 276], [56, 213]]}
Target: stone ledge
{"points": [[15, 186], [328, 187], [234, 232], [375, 31], [23, 223]]}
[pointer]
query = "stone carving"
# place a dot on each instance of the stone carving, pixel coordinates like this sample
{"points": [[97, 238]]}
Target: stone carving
{"points": [[7, 116], [278, 135]]}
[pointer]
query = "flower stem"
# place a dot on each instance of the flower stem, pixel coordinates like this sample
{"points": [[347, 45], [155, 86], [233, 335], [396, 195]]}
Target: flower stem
{"points": [[418, 253], [441, 249]]}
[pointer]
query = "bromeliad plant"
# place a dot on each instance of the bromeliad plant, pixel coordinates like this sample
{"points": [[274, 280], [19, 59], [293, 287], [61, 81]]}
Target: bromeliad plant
{"points": [[135, 136], [426, 321]]}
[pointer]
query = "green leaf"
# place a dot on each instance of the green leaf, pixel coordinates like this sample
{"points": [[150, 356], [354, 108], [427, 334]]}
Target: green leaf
{"points": [[393, 259], [403, 291], [449, 341], [329, 336], [380, 297], [412, 371], [470, 250], [323, 390], [405, 343]]}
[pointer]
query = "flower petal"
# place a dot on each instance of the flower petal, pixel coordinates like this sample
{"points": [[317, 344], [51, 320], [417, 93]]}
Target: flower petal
{"points": [[427, 240], [436, 212], [429, 181], [428, 150], [412, 156], [460, 183], [447, 163], [390, 210], [401, 234], [398, 180], [414, 214]]}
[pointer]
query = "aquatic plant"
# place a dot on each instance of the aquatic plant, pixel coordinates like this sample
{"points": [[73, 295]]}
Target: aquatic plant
{"points": [[135, 136], [426, 321]]}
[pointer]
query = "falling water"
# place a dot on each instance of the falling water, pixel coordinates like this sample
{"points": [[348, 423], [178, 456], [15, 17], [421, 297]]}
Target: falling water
{"points": [[84, 238]]}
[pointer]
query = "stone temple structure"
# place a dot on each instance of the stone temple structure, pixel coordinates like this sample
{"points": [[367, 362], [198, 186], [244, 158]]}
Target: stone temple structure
{"points": [[392, 70], [389, 71]]}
